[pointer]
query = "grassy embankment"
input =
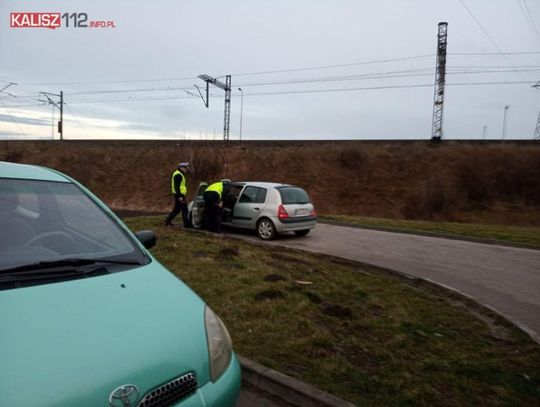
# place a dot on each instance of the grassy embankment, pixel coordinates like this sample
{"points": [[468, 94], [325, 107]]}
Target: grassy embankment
{"points": [[529, 236], [355, 331], [492, 184]]}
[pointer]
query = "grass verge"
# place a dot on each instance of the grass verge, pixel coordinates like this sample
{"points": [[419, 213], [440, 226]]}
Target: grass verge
{"points": [[502, 233], [353, 331]]}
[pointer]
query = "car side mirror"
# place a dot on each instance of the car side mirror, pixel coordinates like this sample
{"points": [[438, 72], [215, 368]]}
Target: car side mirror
{"points": [[147, 238]]}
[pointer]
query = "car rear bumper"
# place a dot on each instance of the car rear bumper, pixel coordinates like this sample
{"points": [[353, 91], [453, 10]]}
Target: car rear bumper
{"points": [[292, 224], [223, 393]]}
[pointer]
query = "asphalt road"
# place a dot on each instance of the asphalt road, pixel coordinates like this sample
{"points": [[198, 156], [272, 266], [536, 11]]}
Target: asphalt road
{"points": [[505, 279]]}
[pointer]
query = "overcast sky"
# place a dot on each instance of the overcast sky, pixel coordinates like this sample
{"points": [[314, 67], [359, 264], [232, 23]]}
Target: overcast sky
{"points": [[159, 47]]}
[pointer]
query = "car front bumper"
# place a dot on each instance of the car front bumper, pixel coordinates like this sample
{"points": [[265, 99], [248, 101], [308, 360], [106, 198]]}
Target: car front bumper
{"points": [[223, 393]]}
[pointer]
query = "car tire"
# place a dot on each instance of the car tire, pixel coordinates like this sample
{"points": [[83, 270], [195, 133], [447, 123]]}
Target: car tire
{"points": [[301, 232], [266, 229]]}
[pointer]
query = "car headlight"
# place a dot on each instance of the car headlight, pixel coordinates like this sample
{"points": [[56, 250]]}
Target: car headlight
{"points": [[219, 344]]}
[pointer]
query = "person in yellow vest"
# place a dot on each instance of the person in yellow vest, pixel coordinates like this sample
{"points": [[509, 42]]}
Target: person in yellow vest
{"points": [[179, 192], [213, 203]]}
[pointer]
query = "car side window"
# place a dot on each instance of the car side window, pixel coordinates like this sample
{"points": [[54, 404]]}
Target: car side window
{"points": [[261, 195], [249, 195], [253, 195]]}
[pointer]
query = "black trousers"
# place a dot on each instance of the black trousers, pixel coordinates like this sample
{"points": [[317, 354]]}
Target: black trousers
{"points": [[213, 211], [177, 208]]}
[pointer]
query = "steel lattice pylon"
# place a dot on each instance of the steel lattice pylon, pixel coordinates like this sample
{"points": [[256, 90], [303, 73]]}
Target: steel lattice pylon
{"points": [[440, 79], [537, 129], [227, 115], [227, 88]]}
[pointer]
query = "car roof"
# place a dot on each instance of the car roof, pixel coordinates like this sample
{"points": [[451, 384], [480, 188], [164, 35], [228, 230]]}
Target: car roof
{"points": [[260, 184], [34, 172]]}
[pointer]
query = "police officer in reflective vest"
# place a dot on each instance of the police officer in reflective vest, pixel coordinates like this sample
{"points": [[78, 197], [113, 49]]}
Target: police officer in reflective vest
{"points": [[213, 203], [179, 191]]}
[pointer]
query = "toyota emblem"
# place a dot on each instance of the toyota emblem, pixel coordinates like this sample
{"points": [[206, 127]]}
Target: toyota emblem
{"points": [[124, 396]]}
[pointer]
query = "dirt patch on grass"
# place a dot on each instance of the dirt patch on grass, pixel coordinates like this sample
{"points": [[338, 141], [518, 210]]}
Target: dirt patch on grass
{"points": [[289, 259], [274, 278], [228, 253], [269, 295], [337, 311], [314, 298]]}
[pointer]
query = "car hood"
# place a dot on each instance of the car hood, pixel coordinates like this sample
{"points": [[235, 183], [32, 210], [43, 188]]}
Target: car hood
{"points": [[72, 343]]}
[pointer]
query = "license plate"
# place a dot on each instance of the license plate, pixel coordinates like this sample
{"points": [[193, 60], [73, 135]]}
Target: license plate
{"points": [[300, 212]]}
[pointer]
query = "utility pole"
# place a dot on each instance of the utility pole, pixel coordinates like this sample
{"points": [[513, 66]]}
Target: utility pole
{"points": [[241, 110], [484, 133], [440, 79], [59, 106], [227, 88], [61, 122], [505, 116]]}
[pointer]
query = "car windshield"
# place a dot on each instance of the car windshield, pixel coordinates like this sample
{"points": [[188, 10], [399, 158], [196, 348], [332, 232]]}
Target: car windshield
{"points": [[42, 221], [293, 195]]}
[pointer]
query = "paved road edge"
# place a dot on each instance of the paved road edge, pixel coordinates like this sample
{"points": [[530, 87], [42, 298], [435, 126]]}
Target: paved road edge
{"points": [[430, 234], [291, 390]]}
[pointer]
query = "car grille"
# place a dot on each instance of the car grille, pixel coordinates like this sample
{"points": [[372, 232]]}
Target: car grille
{"points": [[171, 392]]}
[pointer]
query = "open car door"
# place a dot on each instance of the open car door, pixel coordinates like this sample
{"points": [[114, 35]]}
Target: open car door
{"points": [[198, 218]]}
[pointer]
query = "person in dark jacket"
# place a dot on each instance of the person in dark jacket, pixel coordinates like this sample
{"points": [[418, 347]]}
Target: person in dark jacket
{"points": [[179, 192], [213, 203]]}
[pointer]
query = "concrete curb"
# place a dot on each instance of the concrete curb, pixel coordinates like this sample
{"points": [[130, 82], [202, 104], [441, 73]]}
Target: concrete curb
{"points": [[431, 234], [287, 388]]}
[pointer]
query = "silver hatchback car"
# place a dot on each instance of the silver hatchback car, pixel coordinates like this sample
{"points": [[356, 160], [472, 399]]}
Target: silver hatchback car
{"points": [[266, 207]]}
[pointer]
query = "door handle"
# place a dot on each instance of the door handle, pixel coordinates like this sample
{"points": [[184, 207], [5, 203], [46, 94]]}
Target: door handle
{"points": [[256, 209]]}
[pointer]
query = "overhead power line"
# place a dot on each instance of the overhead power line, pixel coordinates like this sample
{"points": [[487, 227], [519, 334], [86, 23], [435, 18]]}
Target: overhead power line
{"points": [[528, 17], [109, 82], [128, 90], [535, 27], [302, 91], [485, 31], [343, 65], [405, 73], [13, 120], [493, 53], [311, 68], [77, 119], [481, 27]]}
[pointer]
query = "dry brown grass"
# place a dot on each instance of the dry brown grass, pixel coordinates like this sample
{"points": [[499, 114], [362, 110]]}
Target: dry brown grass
{"points": [[487, 183]]}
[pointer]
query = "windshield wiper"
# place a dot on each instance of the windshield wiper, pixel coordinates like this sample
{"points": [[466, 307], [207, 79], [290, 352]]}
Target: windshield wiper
{"points": [[36, 275], [63, 263]]}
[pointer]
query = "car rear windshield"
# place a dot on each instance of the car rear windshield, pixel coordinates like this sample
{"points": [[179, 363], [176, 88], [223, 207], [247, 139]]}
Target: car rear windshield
{"points": [[293, 196]]}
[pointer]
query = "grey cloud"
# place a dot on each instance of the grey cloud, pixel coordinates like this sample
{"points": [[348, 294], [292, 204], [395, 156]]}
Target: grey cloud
{"points": [[174, 39]]}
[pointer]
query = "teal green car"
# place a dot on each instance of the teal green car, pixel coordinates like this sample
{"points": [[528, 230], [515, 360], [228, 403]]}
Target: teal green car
{"points": [[88, 317]]}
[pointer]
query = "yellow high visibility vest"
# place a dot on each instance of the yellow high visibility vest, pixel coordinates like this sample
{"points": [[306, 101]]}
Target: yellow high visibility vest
{"points": [[183, 188], [217, 187]]}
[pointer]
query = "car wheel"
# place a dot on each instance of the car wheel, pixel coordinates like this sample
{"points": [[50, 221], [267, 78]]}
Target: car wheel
{"points": [[266, 229], [301, 232]]}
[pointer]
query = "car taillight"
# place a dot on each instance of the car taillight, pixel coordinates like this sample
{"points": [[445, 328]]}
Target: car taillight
{"points": [[313, 213], [282, 213]]}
